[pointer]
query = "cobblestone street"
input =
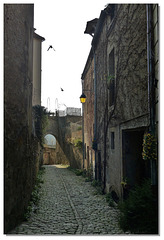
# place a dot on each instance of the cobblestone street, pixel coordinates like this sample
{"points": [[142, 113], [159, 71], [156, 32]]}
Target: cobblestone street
{"points": [[69, 206]]}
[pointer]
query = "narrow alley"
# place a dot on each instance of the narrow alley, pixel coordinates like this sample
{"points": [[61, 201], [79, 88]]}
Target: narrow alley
{"points": [[69, 206], [84, 94]]}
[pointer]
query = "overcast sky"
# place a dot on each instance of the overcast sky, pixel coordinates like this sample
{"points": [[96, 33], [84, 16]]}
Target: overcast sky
{"points": [[62, 24]]}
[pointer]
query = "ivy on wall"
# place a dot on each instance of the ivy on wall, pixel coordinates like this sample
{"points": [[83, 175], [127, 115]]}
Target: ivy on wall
{"points": [[149, 147], [41, 121]]}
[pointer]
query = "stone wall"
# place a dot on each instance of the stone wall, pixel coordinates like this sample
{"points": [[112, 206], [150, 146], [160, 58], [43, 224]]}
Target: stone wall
{"points": [[69, 126], [88, 112], [19, 164], [54, 155], [129, 40], [125, 35]]}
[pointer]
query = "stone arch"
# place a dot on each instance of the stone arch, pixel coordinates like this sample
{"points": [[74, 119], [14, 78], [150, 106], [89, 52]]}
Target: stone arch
{"points": [[50, 145], [50, 140], [53, 154], [51, 132]]}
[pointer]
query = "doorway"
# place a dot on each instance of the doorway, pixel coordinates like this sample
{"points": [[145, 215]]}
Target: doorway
{"points": [[134, 167]]}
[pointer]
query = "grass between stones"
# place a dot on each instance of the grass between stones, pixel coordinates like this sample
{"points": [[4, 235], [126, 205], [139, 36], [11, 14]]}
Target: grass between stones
{"points": [[35, 195]]}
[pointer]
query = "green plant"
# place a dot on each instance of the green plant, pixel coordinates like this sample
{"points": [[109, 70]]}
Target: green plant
{"points": [[149, 147], [35, 195], [110, 79], [78, 172], [79, 128], [98, 185], [89, 173], [109, 200], [124, 182], [139, 213], [78, 143], [88, 179]]}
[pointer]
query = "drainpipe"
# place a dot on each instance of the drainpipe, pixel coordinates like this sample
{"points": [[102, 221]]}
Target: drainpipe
{"points": [[149, 64], [95, 111], [83, 131], [150, 85]]}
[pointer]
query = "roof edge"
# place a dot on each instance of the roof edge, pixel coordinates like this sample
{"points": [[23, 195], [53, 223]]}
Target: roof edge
{"points": [[38, 37]]}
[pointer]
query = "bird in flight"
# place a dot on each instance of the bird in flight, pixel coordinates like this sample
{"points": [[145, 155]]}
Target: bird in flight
{"points": [[50, 47]]}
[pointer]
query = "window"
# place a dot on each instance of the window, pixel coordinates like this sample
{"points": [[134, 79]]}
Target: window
{"points": [[111, 63], [112, 140], [111, 77]]}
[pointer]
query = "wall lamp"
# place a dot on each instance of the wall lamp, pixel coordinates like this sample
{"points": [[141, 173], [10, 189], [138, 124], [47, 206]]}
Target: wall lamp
{"points": [[82, 98]]}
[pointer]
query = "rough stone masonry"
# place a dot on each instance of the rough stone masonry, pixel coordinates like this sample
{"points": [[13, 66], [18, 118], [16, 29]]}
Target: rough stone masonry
{"points": [[69, 206]]}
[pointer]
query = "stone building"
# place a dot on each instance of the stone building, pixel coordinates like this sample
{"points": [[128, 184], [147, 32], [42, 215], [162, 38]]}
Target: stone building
{"points": [[21, 145], [88, 113], [18, 55], [122, 108]]}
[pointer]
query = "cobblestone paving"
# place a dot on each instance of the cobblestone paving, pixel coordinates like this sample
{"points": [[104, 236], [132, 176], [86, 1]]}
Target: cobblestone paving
{"points": [[69, 206]]}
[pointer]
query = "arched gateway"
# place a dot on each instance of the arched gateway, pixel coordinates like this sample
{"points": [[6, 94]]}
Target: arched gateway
{"points": [[59, 141], [49, 149]]}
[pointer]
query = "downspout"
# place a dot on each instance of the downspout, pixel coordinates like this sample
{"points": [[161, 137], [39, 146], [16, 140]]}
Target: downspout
{"points": [[83, 133], [95, 111], [83, 126], [106, 125], [149, 62], [150, 85]]}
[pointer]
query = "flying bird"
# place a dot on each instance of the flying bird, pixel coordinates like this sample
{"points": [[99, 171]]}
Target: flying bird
{"points": [[50, 47]]}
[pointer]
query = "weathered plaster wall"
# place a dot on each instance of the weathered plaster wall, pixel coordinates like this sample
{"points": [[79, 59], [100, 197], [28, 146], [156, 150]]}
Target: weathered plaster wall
{"points": [[36, 100], [37, 57], [19, 165]]}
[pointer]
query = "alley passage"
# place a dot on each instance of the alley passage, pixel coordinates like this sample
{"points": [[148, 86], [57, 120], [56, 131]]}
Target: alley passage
{"points": [[69, 206]]}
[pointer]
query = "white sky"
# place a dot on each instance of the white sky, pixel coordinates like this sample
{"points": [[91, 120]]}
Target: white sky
{"points": [[62, 24]]}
